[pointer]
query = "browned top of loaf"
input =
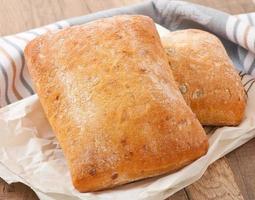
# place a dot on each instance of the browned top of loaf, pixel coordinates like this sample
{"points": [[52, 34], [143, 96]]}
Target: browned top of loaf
{"points": [[206, 76], [110, 97]]}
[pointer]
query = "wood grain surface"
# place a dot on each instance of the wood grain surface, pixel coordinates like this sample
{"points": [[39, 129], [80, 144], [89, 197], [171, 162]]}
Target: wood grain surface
{"points": [[230, 178]]}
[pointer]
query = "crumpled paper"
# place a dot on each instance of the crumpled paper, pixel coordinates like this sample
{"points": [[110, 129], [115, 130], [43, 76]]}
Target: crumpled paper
{"points": [[30, 153]]}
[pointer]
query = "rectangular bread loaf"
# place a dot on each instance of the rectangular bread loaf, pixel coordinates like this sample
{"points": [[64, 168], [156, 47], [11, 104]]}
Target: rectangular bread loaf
{"points": [[109, 95], [206, 76]]}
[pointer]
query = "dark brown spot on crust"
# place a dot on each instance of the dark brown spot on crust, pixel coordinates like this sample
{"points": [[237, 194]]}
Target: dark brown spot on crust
{"points": [[57, 97], [142, 70], [170, 64], [92, 172], [116, 67], [114, 176], [123, 142], [127, 52], [128, 155]]}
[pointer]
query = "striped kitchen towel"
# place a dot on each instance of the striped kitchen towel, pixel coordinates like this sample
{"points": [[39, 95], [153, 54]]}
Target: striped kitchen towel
{"points": [[236, 32]]}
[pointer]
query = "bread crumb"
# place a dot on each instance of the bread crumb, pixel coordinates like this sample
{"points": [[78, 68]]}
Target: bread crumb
{"points": [[183, 88], [197, 94]]}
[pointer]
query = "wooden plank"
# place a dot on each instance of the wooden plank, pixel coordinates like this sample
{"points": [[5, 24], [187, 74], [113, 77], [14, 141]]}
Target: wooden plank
{"points": [[217, 183], [181, 195], [16, 191], [242, 163], [19, 15]]}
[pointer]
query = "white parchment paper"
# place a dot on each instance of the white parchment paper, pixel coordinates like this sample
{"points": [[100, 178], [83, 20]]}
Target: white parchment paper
{"points": [[30, 153]]}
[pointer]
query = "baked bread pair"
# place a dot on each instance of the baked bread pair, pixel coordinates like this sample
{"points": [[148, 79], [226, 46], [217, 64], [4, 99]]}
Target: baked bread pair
{"points": [[110, 96]]}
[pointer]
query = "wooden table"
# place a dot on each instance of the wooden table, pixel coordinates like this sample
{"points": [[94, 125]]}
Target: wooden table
{"points": [[232, 177]]}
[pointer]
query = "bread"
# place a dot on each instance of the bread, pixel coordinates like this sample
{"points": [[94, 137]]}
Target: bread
{"points": [[109, 95], [206, 76]]}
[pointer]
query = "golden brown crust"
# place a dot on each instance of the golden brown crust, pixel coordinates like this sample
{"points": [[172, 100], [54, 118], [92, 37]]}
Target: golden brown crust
{"points": [[206, 76], [110, 97]]}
